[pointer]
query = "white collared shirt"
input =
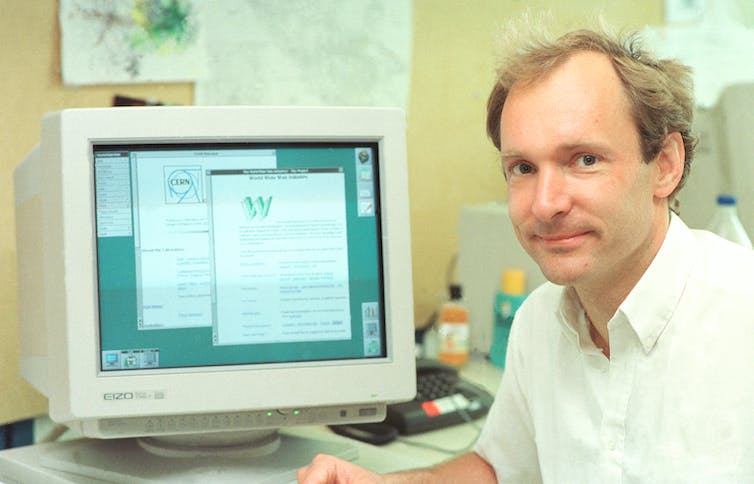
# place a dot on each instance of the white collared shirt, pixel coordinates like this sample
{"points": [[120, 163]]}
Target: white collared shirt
{"points": [[673, 404]]}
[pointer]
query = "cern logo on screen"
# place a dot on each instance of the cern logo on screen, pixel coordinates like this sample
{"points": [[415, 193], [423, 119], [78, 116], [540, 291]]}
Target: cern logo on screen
{"points": [[183, 184]]}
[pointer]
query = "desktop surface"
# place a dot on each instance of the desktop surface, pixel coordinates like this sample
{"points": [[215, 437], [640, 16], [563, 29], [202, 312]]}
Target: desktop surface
{"points": [[409, 452]]}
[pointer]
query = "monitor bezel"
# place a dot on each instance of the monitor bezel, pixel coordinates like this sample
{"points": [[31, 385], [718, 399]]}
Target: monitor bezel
{"points": [[76, 388]]}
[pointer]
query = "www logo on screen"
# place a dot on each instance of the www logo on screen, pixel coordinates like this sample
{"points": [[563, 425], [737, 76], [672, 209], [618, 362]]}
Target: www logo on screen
{"points": [[256, 208]]}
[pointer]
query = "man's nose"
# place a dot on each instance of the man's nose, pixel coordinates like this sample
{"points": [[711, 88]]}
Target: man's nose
{"points": [[551, 198]]}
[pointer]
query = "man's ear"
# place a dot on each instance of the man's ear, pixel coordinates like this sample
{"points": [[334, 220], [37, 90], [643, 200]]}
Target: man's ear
{"points": [[670, 162]]}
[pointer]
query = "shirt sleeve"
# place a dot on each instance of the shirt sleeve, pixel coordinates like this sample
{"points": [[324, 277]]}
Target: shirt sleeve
{"points": [[507, 440]]}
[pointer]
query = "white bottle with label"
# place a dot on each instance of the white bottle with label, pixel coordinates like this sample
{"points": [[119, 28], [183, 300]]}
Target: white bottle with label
{"points": [[726, 223]]}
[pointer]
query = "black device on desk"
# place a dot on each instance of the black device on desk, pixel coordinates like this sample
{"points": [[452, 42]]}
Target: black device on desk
{"points": [[442, 399]]}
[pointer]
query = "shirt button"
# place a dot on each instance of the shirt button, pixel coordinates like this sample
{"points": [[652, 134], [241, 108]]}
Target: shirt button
{"points": [[611, 445]]}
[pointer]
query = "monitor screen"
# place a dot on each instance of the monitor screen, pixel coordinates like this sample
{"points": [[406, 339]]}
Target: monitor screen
{"points": [[234, 253], [214, 273]]}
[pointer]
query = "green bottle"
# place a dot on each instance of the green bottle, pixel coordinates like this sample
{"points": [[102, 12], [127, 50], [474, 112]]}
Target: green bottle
{"points": [[507, 301]]}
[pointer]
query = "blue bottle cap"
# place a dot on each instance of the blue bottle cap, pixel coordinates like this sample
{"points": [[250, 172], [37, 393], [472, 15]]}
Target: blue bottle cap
{"points": [[726, 200]]}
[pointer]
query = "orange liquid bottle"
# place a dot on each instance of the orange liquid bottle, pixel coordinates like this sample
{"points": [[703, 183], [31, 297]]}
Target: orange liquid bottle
{"points": [[453, 330]]}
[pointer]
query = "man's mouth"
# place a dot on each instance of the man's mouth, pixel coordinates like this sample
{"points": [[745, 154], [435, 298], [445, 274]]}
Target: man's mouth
{"points": [[562, 240]]}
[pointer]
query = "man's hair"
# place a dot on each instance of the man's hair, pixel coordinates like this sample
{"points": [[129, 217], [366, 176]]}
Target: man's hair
{"points": [[660, 92]]}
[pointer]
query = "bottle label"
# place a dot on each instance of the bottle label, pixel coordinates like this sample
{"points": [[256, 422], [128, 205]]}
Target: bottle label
{"points": [[454, 338], [506, 308]]}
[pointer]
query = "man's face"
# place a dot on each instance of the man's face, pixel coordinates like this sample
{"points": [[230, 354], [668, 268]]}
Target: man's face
{"points": [[581, 199]]}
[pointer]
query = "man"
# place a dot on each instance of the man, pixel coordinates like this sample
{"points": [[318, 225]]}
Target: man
{"points": [[634, 363]]}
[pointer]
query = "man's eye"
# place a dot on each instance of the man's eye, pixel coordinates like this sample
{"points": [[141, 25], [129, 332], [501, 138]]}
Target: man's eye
{"points": [[521, 169], [587, 160]]}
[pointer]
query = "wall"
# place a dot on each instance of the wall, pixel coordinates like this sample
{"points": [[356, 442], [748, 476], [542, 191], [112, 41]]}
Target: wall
{"points": [[451, 163]]}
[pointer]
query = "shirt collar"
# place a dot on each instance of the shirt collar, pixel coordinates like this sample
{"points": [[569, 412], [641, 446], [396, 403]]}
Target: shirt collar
{"points": [[573, 320], [651, 303]]}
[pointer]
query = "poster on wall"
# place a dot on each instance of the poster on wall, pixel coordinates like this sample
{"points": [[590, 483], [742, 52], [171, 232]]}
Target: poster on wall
{"points": [[131, 41], [252, 52], [710, 37], [308, 52]]}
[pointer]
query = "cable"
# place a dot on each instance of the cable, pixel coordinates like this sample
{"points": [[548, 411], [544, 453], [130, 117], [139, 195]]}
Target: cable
{"points": [[462, 450], [54, 434], [450, 270]]}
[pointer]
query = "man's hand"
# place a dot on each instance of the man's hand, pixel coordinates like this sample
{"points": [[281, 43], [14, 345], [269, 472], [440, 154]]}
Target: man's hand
{"points": [[326, 469]]}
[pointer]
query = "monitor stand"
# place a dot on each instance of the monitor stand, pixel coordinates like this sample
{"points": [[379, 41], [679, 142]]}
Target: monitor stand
{"points": [[276, 458]]}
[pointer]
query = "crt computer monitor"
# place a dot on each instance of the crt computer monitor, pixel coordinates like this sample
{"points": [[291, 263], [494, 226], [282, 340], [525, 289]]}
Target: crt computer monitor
{"points": [[209, 274]]}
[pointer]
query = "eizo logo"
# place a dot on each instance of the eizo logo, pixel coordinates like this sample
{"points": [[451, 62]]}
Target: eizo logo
{"points": [[119, 396], [256, 208]]}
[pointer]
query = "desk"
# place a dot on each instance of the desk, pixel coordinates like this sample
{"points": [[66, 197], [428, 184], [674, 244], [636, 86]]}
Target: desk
{"points": [[15, 464], [402, 455]]}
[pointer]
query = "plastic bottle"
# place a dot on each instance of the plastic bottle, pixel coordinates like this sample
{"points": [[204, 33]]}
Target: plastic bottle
{"points": [[507, 301], [453, 329], [726, 223]]}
